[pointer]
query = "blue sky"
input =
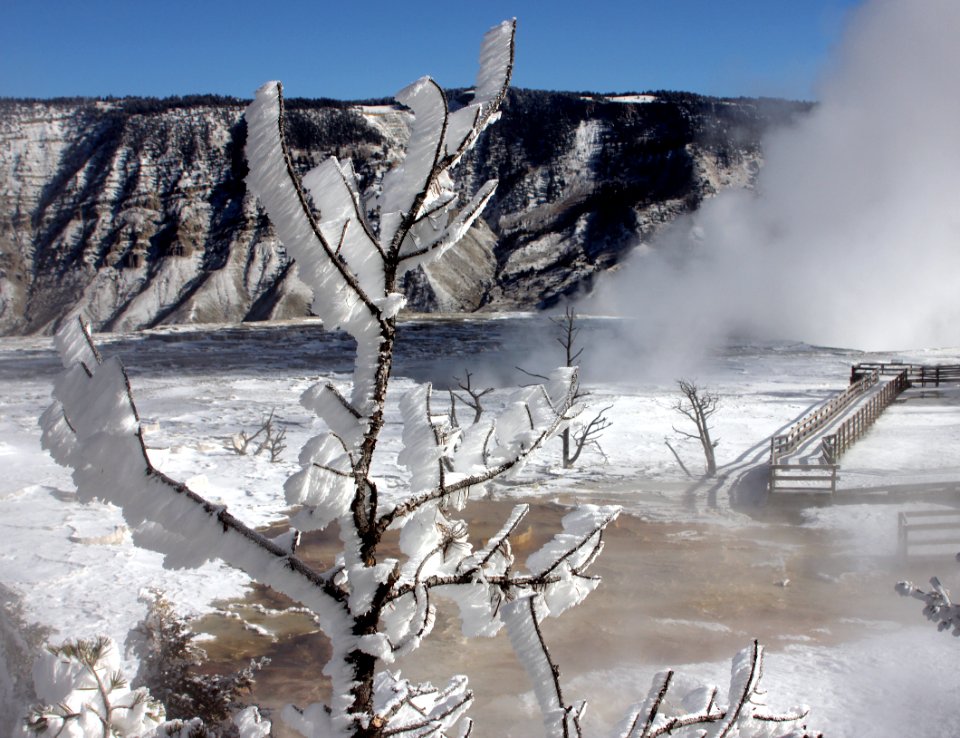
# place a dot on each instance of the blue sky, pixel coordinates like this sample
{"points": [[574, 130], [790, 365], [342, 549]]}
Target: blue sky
{"points": [[355, 50]]}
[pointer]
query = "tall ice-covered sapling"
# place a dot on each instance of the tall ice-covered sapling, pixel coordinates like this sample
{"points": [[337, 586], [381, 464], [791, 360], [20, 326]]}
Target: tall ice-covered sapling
{"points": [[352, 250]]}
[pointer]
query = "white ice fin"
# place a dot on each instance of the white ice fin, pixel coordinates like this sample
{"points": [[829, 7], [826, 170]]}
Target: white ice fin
{"points": [[493, 78], [407, 188], [522, 618], [339, 298], [342, 224], [563, 561]]}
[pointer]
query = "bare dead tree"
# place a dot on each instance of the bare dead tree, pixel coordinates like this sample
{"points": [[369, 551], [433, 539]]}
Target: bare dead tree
{"points": [[699, 405], [472, 400], [583, 433], [272, 440], [568, 331], [574, 439]]}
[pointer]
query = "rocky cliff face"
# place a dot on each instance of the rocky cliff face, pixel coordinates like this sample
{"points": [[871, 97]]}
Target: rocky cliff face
{"points": [[135, 211]]}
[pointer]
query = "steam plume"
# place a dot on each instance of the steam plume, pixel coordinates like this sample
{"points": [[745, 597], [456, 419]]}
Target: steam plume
{"points": [[852, 238]]}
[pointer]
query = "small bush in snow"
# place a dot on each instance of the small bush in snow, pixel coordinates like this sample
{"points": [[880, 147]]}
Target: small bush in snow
{"points": [[20, 643], [268, 438], [84, 695], [169, 658], [82, 692]]}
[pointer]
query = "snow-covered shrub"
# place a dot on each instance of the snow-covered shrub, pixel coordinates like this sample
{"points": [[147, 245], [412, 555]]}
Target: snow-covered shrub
{"points": [[352, 250], [20, 643], [169, 657], [83, 694], [268, 438]]}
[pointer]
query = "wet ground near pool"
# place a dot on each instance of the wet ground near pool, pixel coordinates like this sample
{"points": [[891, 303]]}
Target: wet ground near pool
{"points": [[672, 593]]}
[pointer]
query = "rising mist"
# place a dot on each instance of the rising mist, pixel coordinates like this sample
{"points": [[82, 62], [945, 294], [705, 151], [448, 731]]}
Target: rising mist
{"points": [[852, 237]]}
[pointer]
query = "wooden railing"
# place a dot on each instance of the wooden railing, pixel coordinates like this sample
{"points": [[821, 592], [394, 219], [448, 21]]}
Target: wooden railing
{"points": [[856, 425], [812, 478], [928, 532], [917, 374], [787, 443], [808, 478], [822, 477]]}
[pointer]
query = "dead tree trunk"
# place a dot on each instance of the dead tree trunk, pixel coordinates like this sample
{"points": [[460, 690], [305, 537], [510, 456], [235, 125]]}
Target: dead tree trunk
{"points": [[698, 405], [574, 440]]}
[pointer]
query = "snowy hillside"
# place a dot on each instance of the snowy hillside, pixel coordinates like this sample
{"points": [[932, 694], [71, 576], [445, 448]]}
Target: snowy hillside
{"points": [[136, 209]]}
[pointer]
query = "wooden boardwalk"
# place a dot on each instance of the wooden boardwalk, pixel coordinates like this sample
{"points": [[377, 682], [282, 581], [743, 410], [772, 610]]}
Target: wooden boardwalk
{"points": [[806, 458]]}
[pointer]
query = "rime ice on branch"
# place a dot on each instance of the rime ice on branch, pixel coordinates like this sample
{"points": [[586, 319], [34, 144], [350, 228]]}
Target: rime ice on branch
{"points": [[351, 251]]}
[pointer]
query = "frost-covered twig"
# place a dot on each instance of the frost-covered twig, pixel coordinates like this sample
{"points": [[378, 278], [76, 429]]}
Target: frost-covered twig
{"points": [[938, 607], [697, 712], [523, 618]]}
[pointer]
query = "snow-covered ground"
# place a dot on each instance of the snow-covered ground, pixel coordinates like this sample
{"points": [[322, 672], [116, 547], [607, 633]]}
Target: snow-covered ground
{"points": [[858, 663]]}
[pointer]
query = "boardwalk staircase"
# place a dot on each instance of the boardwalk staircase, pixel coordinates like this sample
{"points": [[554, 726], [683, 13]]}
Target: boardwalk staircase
{"points": [[841, 421]]}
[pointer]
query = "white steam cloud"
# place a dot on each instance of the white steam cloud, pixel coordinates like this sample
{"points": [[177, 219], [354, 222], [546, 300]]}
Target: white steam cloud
{"points": [[852, 238]]}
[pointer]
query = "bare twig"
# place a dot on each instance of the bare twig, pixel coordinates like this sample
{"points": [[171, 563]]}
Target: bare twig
{"points": [[473, 396], [677, 457], [272, 440]]}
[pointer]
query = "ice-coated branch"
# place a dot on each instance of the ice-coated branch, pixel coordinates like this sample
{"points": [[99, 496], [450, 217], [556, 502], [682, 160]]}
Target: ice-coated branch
{"points": [[497, 53], [482, 582], [351, 250], [443, 466], [418, 711], [93, 427], [499, 544], [522, 617], [413, 185], [697, 713], [339, 296], [937, 605]]}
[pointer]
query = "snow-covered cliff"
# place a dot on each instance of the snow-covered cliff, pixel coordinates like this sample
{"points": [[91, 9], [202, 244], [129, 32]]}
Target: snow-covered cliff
{"points": [[136, 211]]}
